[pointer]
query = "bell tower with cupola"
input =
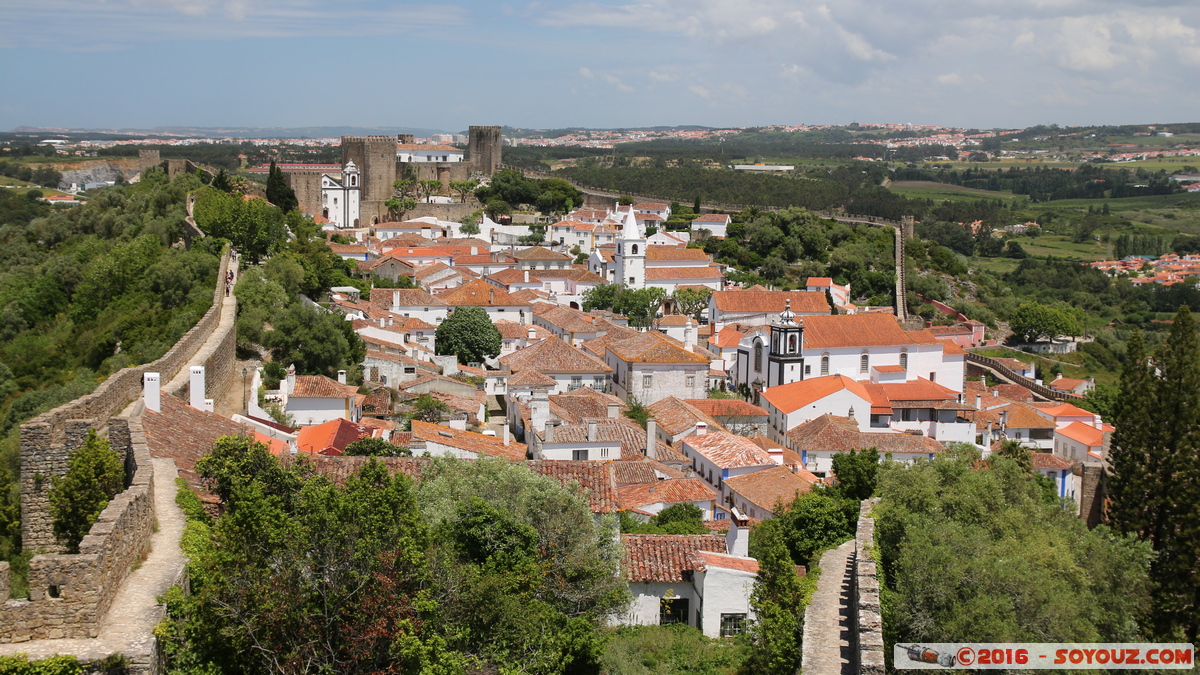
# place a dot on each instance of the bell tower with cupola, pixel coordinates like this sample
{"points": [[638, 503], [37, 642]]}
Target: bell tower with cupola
{"points": [[352, 194], [631, 253], [785, 364]]}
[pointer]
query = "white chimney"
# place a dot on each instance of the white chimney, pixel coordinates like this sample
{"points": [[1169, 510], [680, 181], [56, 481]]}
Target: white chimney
{"points": [[591, 431], [209, 405], [391, 320], [507, 436], [291, 379], [979, 401], [539, 408], [382, 322], [614, 410], [776, 454], [532, 334], [196, 388], [689, 336], [737, 541], [151, 390], [549, 435], [341, 377], [701, 428], [395, 301], [526, 276], [652, 438]]}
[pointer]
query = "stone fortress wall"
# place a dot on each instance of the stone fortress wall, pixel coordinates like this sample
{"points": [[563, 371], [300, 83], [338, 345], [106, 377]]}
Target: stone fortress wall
{"points": [[69, 593], [868, 615]]}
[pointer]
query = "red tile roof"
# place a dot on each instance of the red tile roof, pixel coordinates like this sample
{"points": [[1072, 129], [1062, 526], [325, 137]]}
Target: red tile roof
{"points": [[769, 487], [791, 397], [319, 386], [185, 434], [704, 560], [728, 451], [478, 293], [1046, 460], [727, 407], [664, 557], [672, 491], [1083, 433], [645, 471], [330, 438], [830, 434], [666, 273], [469, 441], [654, 347], [858, 330], [552, 355], [539, 253], [674, 253], [595, 478], [676, 416], [771, 302]]}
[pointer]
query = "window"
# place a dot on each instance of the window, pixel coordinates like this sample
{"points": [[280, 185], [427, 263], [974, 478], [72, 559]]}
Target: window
{"points": [[690, 381], [904, 360], [579, 454], [808, 370], [633, 251], [933, 377], [758, 357], [864, 363], [603, 453], [632, 281], [672, 611], [598, 382], [792, 343], [647, 381]]}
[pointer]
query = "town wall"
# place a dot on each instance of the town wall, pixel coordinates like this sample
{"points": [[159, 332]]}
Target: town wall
{"points": [[48, 440], [868, 616], [453, 212], [307, 186], [484, 147], [375, 157], [70, 593]]}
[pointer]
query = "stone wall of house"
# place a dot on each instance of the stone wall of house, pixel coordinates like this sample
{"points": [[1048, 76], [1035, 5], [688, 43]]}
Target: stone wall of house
{"points": [[70, 593], [868, 619], [48, 440]]}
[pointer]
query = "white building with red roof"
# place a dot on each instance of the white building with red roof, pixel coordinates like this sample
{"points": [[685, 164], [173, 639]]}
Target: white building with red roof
{"points": [[715, 223], [718, 455], [316, 399], [759, 308]]}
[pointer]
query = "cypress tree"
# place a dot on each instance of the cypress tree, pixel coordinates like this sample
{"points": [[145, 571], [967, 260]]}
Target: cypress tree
{"points": [[1130, 509], [1173, 469], [777, 599], [278, 192]]}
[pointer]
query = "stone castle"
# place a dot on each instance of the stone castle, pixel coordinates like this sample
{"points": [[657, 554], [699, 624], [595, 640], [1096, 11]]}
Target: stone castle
{"points": [[380, 166]]}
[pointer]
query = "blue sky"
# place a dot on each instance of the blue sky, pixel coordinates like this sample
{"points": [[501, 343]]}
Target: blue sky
{"points": [[982, 63]]}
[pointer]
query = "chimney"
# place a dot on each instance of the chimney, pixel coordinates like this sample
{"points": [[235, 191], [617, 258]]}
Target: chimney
{"points": [[491, 295], [737, 541], [549, 435], [151, 389], [592, 431], [209, 405], [507, 435], [995, 393], [382, 322], [532, 334], [391, 319], [652, 438], [526, 276], [1003, 420], [701, 428], [614, 410], [341, 377], [196, 388], [689, 336], [395, 301], [776, 454], [539, 408], [979, 401], [1097, 422], [291, 379]]}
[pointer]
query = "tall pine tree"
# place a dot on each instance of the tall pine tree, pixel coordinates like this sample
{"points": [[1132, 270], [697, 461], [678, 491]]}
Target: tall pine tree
{"points": [[1131, 486], [778, 602], [278, 191]]}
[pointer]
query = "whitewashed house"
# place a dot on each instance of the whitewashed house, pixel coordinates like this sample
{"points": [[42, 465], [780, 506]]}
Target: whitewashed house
{"points": [[316, 399]]}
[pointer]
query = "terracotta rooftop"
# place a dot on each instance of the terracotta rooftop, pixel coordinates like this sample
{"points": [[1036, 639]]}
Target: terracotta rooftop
{"points": [[831, 434], [1018, 415], [469, 441], [530, 296], [319, 386], [538, 253], [565, 318], [552, 355], [586, 403], [791, 397], [338, 469], [408, 297], [704, 560], [1083, 433], [726, 407], [654, 347], [664, 557], [672, 253], [645, 471], [1047, 460], [1066, 383], [672, 491], [478, 293], [185, 434], [1067, 410], [667, 273], [595, 478], [728, 451], [630, 434], [712, 218], [771, 302], [859, 330], [531, 378], [511, 330], [768, 487], [676, 416], [330, 438]]}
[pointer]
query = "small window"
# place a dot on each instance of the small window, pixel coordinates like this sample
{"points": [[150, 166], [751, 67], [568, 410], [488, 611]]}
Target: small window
{"points": [[933, 377], [864, 363], [690, 381], [732, 624], [647, 381], [634, 250], [598, 382], [581, 455], [904, 360], [808, 370], [672, 611], [758, 357], [603, 453], [824, 365]]}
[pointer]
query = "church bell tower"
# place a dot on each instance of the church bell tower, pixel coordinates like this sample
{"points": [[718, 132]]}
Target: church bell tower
{"points": [[785, 362]]}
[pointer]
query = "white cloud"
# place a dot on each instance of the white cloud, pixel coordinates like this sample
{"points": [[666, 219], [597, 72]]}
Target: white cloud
{"points": [[586, 72], [616, 82], [950, 78], [699, 91]]}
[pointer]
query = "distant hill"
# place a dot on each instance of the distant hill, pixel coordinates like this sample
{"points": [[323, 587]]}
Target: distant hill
{"points": [[238, 132]]}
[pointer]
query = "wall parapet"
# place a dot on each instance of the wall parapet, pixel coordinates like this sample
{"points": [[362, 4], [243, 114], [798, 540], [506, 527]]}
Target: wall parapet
{"points": [[48, 440], [69, 594], [868, 615]]}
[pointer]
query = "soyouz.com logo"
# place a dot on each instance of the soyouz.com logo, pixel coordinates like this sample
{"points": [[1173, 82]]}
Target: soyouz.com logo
{"points": [[1044, 656]]}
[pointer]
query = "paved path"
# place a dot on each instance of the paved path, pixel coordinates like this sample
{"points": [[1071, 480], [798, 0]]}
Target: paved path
{"points": [[228, 316], [128, 626], [828, 648]]}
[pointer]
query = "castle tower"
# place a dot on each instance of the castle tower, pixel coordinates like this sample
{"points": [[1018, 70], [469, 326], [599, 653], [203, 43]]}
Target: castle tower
{"points": [[785, 364], [375, 158], [631, 253], [483, 149], [353, 195]]}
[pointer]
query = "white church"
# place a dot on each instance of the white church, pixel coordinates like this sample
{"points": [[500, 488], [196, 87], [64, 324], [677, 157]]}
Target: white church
{"points": [[340, 198]]}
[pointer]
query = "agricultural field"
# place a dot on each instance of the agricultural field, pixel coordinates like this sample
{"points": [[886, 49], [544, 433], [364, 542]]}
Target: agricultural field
{"points": [[922, 189]]}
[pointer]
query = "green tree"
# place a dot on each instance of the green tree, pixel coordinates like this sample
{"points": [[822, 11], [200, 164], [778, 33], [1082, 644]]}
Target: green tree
{"points": [[398, 207], [470, 226], [1136, 498], [376, 447], [316, 341], [814, 522], [537, 235], [1034, 321], [463, 188], [778, 603], [279, 192], [428, 409], [1013, 450], [681, 518], [428, 188], [640, 306], [856, 471], [497, 207], [221, 181], [692, 301], [469, 334], [95, 474]]}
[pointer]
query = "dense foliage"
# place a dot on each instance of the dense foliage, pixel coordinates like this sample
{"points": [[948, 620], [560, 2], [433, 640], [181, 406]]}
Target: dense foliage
{"points": [[1155, 484], [640, 306], [95, 474], [469, 334], [508, 188], [85, 292], [681, 518], [482, 566], [976, 552]]}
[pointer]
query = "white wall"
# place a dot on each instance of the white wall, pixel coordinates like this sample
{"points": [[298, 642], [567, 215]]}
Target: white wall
{"points": [[724, 591], [597, 450], [667, 379], [310, 411], [644, 608]]}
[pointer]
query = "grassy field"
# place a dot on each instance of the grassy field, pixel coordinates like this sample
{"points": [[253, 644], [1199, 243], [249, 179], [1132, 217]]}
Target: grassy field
{"points": [[922, 189], [1062, 246], [1072, 365]]}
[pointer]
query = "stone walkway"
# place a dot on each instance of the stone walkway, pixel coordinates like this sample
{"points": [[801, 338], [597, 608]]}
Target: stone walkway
{"points": [[828, 629], [128, 627]]}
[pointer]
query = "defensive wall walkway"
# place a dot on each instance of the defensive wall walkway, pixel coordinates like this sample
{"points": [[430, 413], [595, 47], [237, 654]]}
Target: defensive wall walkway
{"points": [[103, 600]]}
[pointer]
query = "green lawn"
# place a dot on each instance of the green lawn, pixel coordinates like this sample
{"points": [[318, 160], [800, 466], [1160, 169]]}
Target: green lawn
{"points": [[920, 189], [1063, 247]]}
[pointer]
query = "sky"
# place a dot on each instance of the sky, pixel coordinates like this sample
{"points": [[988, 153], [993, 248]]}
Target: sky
{"points": [[600, 64]]}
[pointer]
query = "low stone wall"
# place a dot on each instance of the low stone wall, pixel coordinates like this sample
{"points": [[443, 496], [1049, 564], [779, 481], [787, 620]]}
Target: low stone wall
{"points": [[868, 618], [48, 440], [454, 212], [70, 593]]}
